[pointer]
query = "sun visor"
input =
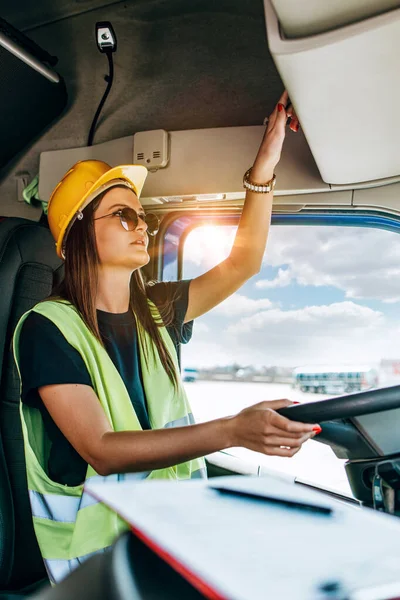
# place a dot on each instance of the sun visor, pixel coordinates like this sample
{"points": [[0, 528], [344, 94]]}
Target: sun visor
{"points": [[203, 166], [345, 87]]}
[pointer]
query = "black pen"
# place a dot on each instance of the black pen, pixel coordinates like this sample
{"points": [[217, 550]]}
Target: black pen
{"points": [[287, 502]]}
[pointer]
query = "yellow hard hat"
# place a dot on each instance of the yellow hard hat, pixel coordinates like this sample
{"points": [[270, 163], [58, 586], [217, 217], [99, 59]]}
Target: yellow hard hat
{"points": [[79, 186]]}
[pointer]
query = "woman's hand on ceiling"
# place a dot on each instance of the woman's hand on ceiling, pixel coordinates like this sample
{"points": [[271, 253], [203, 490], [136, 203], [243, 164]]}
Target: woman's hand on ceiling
{"points": [[270, 149]]}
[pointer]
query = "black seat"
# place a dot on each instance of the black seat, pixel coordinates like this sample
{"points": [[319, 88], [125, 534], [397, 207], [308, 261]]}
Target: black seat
{"points": [[29, 267]]}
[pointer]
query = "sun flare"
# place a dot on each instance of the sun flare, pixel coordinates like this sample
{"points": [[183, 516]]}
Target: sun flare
{"points": [[210, 244]]}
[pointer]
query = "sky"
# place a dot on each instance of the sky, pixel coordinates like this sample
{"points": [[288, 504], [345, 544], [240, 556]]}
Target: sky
{"points": [[324, 295]]}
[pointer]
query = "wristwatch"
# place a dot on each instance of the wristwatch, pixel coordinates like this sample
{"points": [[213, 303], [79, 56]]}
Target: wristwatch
{"points": [[258, 188]]}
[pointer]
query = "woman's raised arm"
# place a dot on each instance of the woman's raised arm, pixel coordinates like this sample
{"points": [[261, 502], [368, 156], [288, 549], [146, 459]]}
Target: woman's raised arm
{"points": [[245, 259]]}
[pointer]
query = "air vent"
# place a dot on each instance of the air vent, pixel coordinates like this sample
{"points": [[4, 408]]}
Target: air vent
{"points": [[151, 148]]}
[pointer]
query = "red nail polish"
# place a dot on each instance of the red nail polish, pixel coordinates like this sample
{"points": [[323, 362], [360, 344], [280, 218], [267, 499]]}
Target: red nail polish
{"points": [[295, 402], [297, 126], [317, 429], [280, 107]]}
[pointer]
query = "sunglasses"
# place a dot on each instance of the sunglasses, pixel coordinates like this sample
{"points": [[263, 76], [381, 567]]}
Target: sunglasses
{"points": [[129, 219]]}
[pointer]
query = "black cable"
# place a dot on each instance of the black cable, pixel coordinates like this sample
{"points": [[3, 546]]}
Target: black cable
{"points": [[109, 78]]}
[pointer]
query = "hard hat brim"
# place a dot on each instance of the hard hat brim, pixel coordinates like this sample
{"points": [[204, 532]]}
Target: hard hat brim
{"points": [[135, 175]]}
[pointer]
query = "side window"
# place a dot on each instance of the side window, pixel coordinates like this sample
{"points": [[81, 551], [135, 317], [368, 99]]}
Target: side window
{"points": [[321, 318]]}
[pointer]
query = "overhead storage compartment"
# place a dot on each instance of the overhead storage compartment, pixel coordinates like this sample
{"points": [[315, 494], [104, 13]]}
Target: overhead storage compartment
{"points": [[317, 17], [328, 77]]}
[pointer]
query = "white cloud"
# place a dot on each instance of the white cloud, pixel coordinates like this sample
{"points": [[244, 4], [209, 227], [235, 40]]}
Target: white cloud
{"points": [[241, 305], [337, 333], [364, 263], [343, 332], [283, 279], [311, 320], [392, 300]]}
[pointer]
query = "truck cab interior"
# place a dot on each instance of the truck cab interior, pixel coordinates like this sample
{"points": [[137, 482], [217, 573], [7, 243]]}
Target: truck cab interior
{"points": [[184, 91]]}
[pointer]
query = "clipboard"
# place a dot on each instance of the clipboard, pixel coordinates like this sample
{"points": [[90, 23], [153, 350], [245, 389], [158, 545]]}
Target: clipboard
{"points": [[260, 539]]}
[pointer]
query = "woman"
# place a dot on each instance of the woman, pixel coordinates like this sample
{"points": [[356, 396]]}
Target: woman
{"points": [[101, 394]]}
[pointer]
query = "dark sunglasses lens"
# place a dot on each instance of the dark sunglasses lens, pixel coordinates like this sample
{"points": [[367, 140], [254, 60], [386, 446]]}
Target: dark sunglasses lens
{"points": [[153, 223], [129, 219]]}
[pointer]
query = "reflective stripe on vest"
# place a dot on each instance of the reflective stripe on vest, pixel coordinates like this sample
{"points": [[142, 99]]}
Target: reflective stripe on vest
{"points": [[58, 569], [199, 474], [64, 509], [188, 420]]}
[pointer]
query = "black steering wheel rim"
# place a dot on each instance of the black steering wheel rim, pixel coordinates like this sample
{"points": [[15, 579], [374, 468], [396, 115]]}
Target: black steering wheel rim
{"points": [[335, 415], [344, 407]]}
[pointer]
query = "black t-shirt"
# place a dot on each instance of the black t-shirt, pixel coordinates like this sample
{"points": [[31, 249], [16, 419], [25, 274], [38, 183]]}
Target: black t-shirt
{"points": [[46, 358]]}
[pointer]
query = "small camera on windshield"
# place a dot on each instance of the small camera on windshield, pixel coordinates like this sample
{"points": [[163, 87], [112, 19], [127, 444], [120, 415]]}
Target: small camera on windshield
{"points": [[105, 37]]}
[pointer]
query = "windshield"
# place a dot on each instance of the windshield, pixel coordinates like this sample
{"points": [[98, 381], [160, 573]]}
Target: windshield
{"points": [[320, 319]]}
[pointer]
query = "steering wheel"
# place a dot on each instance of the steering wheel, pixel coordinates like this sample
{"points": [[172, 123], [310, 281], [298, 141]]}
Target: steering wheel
{"points": [[345, 439]]}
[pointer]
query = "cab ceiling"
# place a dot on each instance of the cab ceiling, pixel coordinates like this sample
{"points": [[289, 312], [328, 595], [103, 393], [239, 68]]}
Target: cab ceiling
{"points": [[25, 15], [179, 65]]}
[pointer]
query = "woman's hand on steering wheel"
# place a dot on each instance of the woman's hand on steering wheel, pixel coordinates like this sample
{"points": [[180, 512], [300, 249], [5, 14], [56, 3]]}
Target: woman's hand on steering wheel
{"points": [[261, 428]]}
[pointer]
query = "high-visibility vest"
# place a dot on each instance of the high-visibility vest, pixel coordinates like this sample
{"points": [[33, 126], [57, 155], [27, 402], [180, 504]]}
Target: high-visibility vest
{"points": [[70, 525]]}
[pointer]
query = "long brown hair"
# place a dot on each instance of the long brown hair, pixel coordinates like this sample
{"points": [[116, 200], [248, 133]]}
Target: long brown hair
{"points": [[80, 282]]}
